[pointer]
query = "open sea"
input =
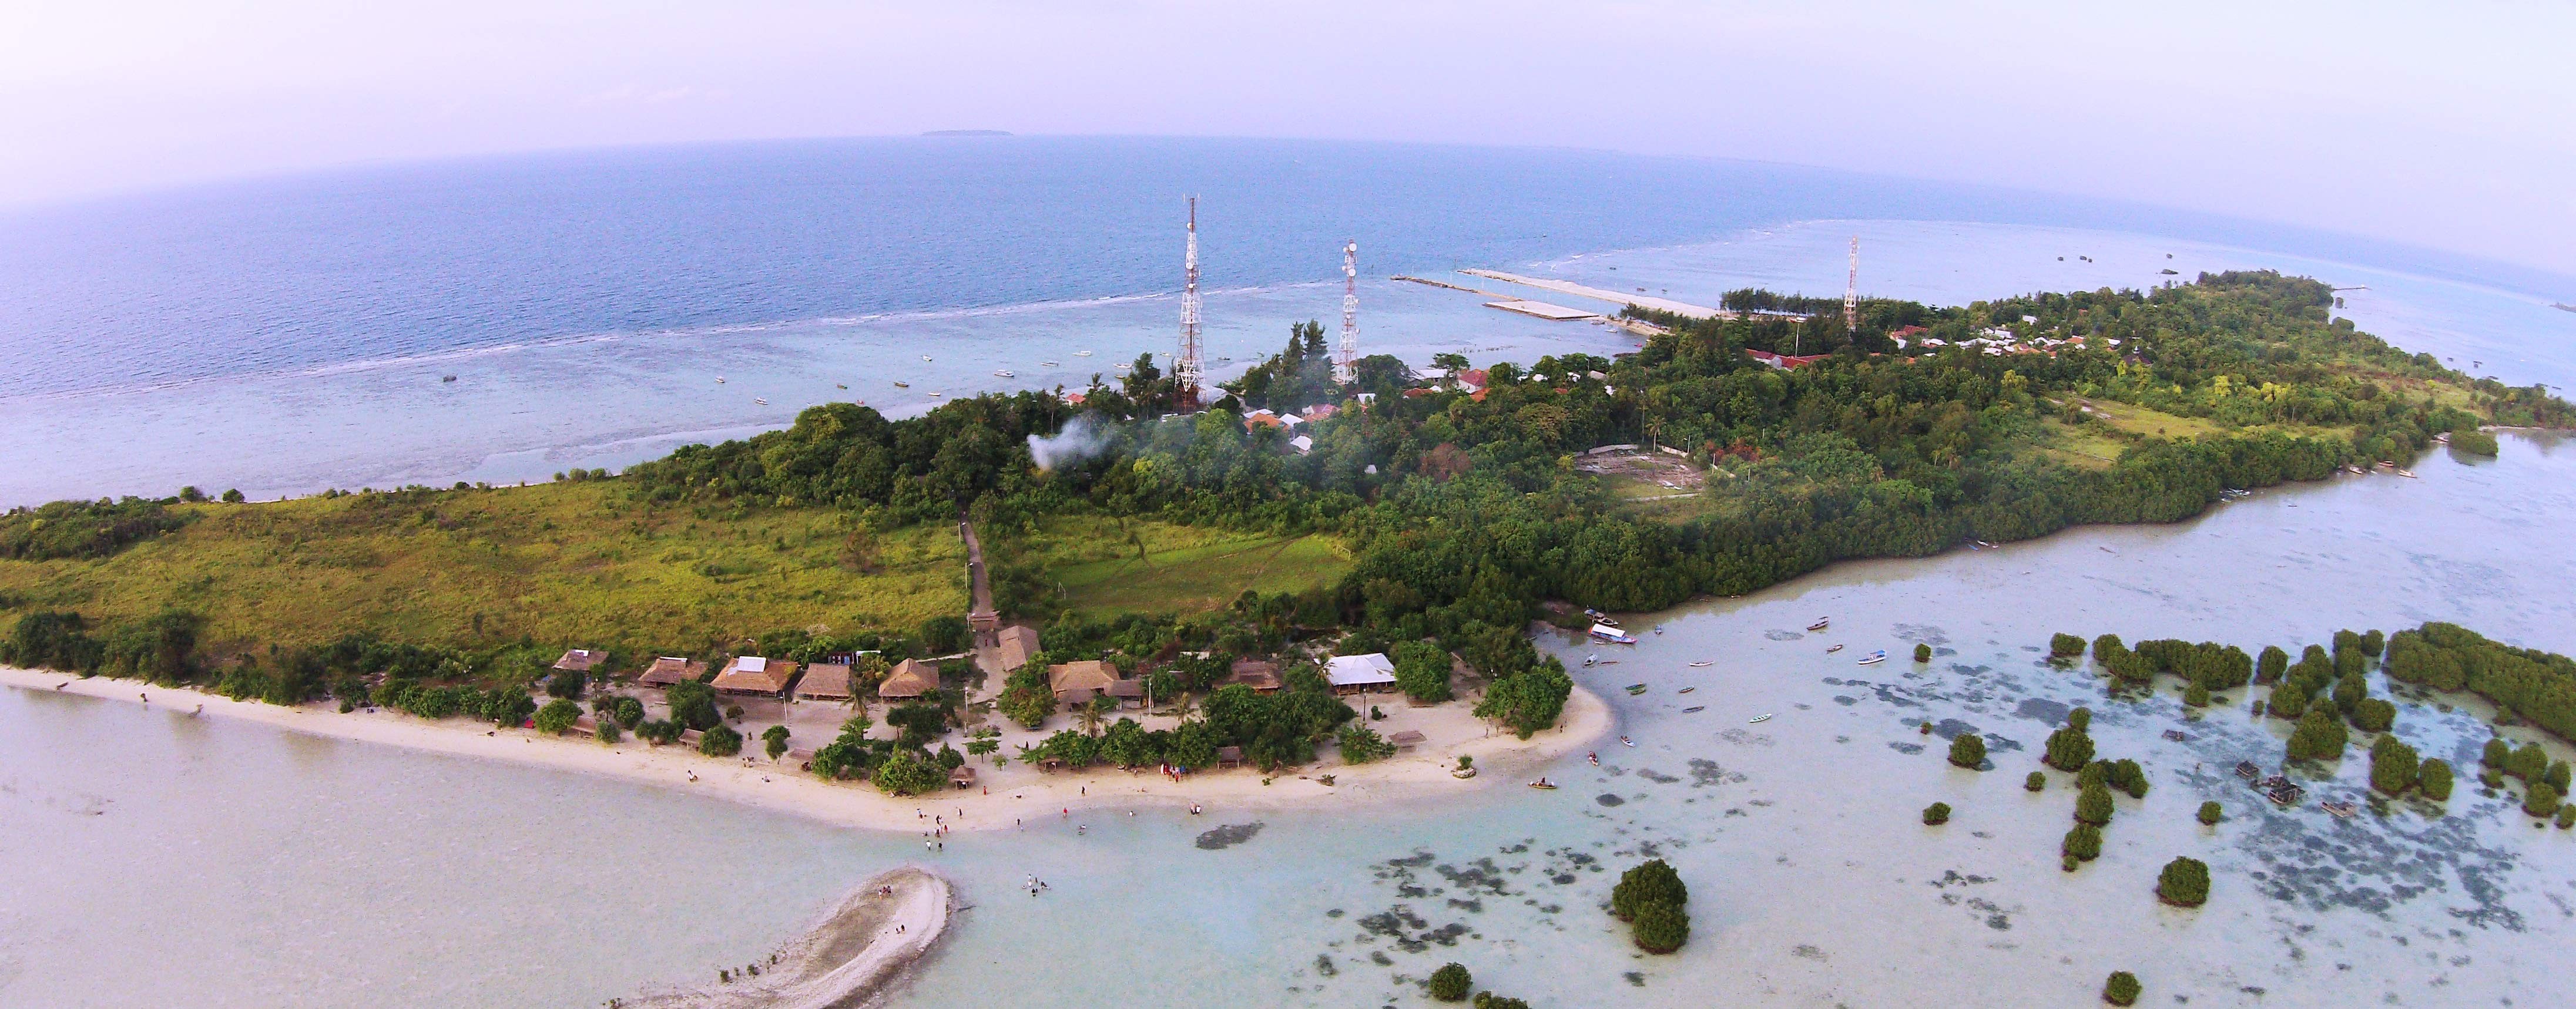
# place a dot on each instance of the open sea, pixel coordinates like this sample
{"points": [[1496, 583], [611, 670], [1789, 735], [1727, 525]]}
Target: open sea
{"points": [[289, 335]]}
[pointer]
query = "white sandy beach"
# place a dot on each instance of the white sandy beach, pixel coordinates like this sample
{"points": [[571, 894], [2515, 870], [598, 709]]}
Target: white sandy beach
{"points": [[851, 954], [1013, 793]]}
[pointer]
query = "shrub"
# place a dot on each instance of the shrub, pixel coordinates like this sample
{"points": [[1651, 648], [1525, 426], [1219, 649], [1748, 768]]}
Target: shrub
{"points": [[2393, 766], [2062, 646], [2083, 842], [1661, 928], [2567, 816], [1653, 882], [2127, 776], [2320, 736], [2491, 777], [1968, 751], [607, 732], [2121, 989], [2067, 863], [1936, 814], [2274, 662], [2069, 749], [2036, 782], [2473, 442], [2095, 773], [567, 683], [2185, 882], [2080, 719], [776, 739], [1489, 1000], [2210, 814], [2496, 753], [2106, 646], [2289, 700], [2196, 695], [660, 731], [2434, 777], [2374, 642], [2374, 715], [720, 741], [1361, 744], [2349, 690], [557, 716], [2093, 805], [2541, 800], [2557, 776], [1451, 983], [2528, 763], [1922, 652], [693, 704], [629, 713], [907, 773]]}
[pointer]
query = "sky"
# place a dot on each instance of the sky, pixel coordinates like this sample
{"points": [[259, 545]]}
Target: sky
{"points": [[2451, 126]]}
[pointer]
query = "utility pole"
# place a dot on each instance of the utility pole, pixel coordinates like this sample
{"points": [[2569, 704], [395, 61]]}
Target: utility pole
{"points": [[1346, 367], [1185, 371]]}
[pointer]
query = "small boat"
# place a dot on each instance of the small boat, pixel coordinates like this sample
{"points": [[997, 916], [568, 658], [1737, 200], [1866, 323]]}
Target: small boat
{"points": [[719, 380], [1985, 545], [449, 378], [1874, 658], [2106, 550], [1601, 618], [936, 393], [1082, 353], [1463, 773], [1122, 367], [2342, 810], [2407, 473], [1694, 709], [1625, 741], [1591, 660], [1612, 635], [1594, 757], [903, 385], [1046, 364], [1688, 689], [1636, 688], [2245, 769], [1609, 662], [760, 401], [838, 385], [1702, 665], [1006, 373], [1830, 649], [925, 357], [1659, 630], [1759, 719], [1820, 623], [1543, 783]]}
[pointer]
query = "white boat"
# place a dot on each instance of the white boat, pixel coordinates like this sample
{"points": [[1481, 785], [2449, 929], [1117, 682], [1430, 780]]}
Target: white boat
{"points": [[719, 380], [925, 357], [760, 401], [1082, 353], [936, 393], [1005, 374], [1046, 364], [1874, 658], [1759, 719], [1702, 665], [1820, 623], [1625, 741], [1591, 660], [1830, 649], [1613, 635]]}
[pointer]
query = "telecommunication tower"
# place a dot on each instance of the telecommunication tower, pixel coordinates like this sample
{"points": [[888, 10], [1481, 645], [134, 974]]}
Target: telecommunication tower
{"points": [[1185, 370], [1346, 366], [1851, 291]]}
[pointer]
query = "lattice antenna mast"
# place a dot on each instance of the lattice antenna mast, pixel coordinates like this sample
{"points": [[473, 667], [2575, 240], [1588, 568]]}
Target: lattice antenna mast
{"points": [[1851, 291], [1185, 371], [1346, 368]]}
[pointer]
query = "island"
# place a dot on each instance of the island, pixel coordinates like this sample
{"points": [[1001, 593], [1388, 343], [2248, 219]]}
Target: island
{"points": [[1308, 589]]}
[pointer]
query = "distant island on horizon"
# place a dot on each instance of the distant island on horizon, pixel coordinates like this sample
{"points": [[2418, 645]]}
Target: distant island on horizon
{"points": [[967, 133]]}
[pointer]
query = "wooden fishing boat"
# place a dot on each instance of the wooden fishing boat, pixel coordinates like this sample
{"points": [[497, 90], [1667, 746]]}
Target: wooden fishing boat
{"points": [[1636, 688], [1830, 649], [1702, 665], [1694, 709], [1820, 623], [1759, 719], [1544, 784]]}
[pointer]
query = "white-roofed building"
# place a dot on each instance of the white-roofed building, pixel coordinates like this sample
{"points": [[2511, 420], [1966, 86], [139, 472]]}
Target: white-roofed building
{"points": [[1358, 673]]}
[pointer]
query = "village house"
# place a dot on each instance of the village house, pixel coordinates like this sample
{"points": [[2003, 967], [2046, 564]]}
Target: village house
{"points": [[1355, 674], [754, 676], [825, 681], [1019, 644], [1784, 362], [909, 679], [670, 669], [1079, 682], [580, 660], [1262, 676]]}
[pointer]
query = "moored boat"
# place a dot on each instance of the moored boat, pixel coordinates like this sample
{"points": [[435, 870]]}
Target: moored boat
{"points": [[1874, 658], [1820, 623], [1759, 719], [1613, 635], [1694, 709]]}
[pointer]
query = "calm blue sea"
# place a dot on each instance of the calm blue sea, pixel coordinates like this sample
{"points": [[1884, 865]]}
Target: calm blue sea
{"points": [[291, 334]]}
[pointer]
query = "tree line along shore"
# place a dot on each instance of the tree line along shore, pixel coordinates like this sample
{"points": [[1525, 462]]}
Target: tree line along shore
{"points": [[1293, 519]]}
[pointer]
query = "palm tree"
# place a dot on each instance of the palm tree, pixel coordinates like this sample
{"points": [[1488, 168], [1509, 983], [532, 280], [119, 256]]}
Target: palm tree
{"points": [[1090, 715], [1654, 431]]}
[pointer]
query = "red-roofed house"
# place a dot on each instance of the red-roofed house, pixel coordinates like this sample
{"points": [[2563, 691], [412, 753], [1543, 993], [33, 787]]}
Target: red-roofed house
{"points": [[1784, 362]]}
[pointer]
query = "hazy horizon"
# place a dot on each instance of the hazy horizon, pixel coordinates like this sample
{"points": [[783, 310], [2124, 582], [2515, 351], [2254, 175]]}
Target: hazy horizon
{"points": [[2444, 129]]}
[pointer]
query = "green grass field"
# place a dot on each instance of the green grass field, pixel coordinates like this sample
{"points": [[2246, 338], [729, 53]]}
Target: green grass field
{"points": [[564, 563], [1093, 563]]}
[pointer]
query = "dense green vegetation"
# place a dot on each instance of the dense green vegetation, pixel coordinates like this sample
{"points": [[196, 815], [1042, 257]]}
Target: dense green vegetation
{"points": [[1653, 900], [1936, 814], [1428, 521], [2528, 683], [2121, 988], [1451, 983], [2210, 814], [1968, 751], [2184, 882]]}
